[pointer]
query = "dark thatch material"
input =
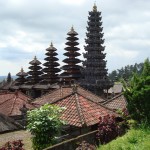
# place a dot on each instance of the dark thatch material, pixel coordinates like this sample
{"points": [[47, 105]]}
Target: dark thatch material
{"points": [[8, 124]]}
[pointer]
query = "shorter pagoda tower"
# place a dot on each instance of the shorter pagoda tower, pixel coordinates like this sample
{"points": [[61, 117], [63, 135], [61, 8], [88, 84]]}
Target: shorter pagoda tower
{"points": [[71, 69], [21, 77], [35, 72], [51, 69]]}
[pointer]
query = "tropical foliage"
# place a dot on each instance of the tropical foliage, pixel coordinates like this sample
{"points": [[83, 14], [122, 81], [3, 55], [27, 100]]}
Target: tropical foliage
{"points": [[44, 124], [137, 93]]}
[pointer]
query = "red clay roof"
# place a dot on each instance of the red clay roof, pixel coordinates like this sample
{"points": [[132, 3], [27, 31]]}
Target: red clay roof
{"points": [[82, 106], [64, 92], [11, 102], [118, 102], [80, 111]]}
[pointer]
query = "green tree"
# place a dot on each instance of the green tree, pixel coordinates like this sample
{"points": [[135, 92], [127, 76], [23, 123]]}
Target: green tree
{"points": [[9, 77], [44, 124], [137, 93]]}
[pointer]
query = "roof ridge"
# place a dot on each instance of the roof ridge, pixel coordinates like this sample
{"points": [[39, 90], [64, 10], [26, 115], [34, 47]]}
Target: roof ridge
{"points": [[57, 100], [90, 92], [89, 98], [18, 91], [100, 104], [79, 109], [13, 103], [46, 94], [5, 101], [107, 101]]}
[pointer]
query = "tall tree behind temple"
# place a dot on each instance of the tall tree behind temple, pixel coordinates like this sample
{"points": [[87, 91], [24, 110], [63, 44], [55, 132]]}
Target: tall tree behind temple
{"points": [[71, 69], [95, 72], [9, 79], [51, 69], [126, 72]]}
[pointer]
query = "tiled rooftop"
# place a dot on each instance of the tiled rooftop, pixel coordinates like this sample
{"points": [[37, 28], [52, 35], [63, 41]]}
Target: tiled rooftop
{"points": [[81, 111], [82, 106], [118, 102], [63, 92], [11, 102]]}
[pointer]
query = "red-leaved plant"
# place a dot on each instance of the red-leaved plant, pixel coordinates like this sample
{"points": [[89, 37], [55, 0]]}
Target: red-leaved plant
{"points": [[14, 145], [108, 129]]}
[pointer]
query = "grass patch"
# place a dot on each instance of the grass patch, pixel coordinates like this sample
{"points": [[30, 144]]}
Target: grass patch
{"points": [[16, 135], [134, 139]]}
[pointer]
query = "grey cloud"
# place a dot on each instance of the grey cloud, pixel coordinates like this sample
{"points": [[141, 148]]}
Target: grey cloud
{"points": [[46, 21]]}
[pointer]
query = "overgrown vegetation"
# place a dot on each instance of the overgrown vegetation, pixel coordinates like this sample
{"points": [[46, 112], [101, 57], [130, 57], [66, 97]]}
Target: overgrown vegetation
{"points": [[44, 124], [134, 139], [108, 129], [137, 93]]}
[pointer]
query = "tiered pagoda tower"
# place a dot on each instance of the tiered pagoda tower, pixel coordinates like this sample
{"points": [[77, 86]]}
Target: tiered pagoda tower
{"points": [[51, 66], [21, 77], [71, 69], [95, 72], [35, 72]]}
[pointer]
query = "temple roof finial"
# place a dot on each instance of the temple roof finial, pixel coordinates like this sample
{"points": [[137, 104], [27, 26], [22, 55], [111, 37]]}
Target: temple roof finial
{"points": [[95, 7], [51, 45], [22, 69], [35, 58], [72, 29]]}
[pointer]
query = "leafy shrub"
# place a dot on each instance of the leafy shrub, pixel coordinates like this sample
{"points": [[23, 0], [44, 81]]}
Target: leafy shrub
{"points": [[44, 124], [14, 145], [137, 93], [108, 129]]}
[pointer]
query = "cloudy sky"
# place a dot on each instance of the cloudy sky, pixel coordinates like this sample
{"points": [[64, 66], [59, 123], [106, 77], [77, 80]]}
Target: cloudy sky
{"points": [[28, 26]]}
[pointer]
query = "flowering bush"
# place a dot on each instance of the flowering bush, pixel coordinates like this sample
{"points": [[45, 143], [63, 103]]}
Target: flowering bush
{"points": [[108, 129], [14, 145]]}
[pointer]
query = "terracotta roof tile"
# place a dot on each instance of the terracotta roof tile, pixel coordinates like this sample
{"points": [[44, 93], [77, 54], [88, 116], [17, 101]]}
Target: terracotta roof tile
{"points": [[63, 92], [82, 106], [81, 111], [118, 102], [11, 102]]}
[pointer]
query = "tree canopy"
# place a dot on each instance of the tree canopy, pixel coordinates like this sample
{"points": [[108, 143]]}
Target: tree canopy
{"points": [[44, 124], [137, 93]]}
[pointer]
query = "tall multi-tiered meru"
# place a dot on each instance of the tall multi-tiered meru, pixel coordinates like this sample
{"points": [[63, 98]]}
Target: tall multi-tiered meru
{"points": [[71, 69], [95, 72], [51, 66], [34, 75], [21, 77]]}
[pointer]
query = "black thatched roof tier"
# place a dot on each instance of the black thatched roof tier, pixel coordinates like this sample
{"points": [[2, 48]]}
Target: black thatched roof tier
{"points": [[54, 70], [22, 73], [51, 66], [74, 54], [51, 63], [72, 48], [21, 77], [71, 70], [67, 67], [52, 59], [7, 124], [72, 38], [35, 61], [72, 60], [94, 64], [34, 75]]}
